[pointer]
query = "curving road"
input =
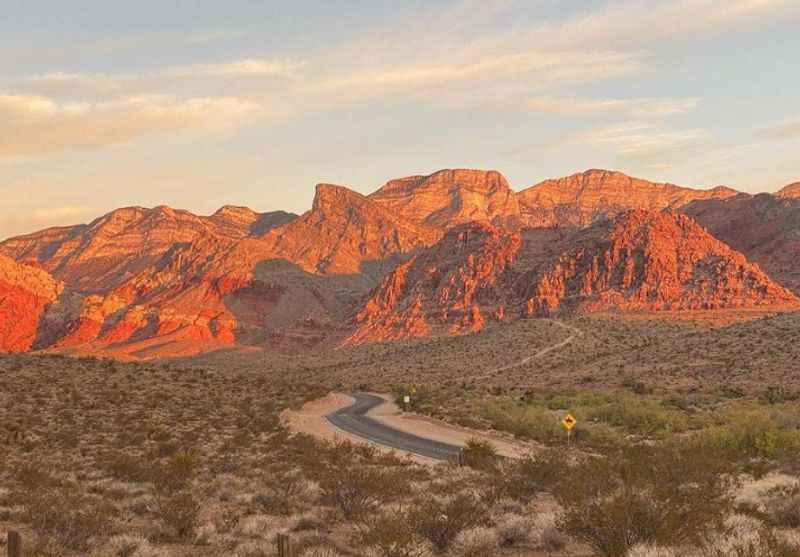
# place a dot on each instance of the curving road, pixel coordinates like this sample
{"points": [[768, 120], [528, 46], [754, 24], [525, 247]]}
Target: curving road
{"points": [[354, 420]]}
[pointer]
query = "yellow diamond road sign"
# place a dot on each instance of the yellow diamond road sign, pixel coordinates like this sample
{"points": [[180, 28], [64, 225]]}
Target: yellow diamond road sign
{"points": [[569, 422]]}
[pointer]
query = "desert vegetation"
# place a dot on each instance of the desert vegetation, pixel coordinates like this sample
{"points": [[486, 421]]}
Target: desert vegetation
{"points": [[678, 451]]}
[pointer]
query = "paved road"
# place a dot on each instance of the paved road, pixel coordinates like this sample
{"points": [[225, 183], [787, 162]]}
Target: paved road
{"points": [[354, 420]]}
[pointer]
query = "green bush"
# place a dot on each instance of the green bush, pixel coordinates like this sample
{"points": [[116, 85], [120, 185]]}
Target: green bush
{"points": [[479, 454], [644, 495]]}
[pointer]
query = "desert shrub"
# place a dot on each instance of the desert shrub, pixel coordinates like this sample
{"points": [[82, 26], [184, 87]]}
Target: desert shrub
{"points": [[513, 529], [67, 516], [479, 454], [525, 478], [441, 520], [283, 490], [782, 507], [357, 491], [754, 434], [393, 534], [647, 550], [177, 472], [475, 542], [544, 533], [128, 468], [644, 495], [746, 537], [180, 513]]}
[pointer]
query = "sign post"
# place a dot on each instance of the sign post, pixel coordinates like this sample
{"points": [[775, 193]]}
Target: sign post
{"points": [[569, 423], [406, 402]]}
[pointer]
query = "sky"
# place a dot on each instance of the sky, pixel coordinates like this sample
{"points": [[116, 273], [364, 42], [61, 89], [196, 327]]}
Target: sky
{"points": [[198, 104]]}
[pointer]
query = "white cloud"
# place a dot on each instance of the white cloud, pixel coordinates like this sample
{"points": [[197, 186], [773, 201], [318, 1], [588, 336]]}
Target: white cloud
{"points": [[634, 108], [638, 138], [35, 125], [781, 132]]}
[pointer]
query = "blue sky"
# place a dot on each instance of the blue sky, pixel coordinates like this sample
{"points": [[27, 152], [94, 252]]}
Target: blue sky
{"points": [[196, 104]]}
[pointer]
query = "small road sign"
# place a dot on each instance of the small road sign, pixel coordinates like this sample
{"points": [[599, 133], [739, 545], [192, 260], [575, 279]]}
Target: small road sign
{"points": [[406, 399], [569, 422]]}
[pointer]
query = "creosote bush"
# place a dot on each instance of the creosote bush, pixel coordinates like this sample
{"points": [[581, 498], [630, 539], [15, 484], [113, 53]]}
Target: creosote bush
{"points": [[658, 495]]}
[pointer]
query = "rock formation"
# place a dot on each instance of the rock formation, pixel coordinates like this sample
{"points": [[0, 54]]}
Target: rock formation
{"points": [[582, 199], [451, 197], [456, 286], [649, 261], [763, 227]]}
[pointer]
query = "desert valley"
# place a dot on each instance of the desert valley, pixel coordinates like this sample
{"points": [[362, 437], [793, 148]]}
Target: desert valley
{"points": [[399, 278], [177, 384]]}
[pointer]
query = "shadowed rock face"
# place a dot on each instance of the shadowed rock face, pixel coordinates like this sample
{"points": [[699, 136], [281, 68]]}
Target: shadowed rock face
{"points": [[650, 261], [594, 195], [765, 228], [451, 197]]}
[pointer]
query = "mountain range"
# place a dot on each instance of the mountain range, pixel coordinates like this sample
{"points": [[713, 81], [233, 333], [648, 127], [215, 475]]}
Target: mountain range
{"points": [[448, 253]]}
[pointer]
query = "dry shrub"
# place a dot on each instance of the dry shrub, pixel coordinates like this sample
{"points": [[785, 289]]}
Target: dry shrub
{"points": [[284, 490], [178, 471], [513, 529], [440, 521], [393, 534], [358, 491], [782, 507], [180, 514], [642, 495], [128, 468], [544, 533], [66, 515], [475, 542]]}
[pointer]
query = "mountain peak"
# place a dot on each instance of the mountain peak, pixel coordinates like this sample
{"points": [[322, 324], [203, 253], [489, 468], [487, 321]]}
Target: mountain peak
{"points": [[790, 191], [450, 197]]}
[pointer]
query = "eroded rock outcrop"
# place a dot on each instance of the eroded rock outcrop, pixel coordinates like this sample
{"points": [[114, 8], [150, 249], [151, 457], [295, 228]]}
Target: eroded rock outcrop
{"points": [[456, 286], [649, 261]]}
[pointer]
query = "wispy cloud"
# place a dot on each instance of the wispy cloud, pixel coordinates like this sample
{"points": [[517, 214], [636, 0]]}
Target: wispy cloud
{"points": [[633, 108], [34, 125], [781, 132], [638, 138]]}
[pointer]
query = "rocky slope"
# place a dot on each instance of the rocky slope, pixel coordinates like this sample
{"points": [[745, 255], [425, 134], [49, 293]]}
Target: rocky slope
{"points": [[455, 286], [790, 191], [26, 296], [114, 248], [451, 197], [649, 261], [581, 199], [764, 227]]}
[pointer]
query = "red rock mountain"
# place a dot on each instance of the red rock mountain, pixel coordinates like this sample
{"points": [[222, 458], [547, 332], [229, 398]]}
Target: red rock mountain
{"points": [[649, 261], [114, 248], [441, 254], [763, 227], [581, 199], [26, 293], [455, 286], [790, 191], [451, 197]]}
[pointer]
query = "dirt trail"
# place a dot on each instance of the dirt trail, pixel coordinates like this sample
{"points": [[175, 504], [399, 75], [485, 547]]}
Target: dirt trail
{"points": [[575, 333]]}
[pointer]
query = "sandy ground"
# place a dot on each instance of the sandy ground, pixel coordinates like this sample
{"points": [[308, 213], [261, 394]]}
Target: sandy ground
{"points": [[310, 419]]}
